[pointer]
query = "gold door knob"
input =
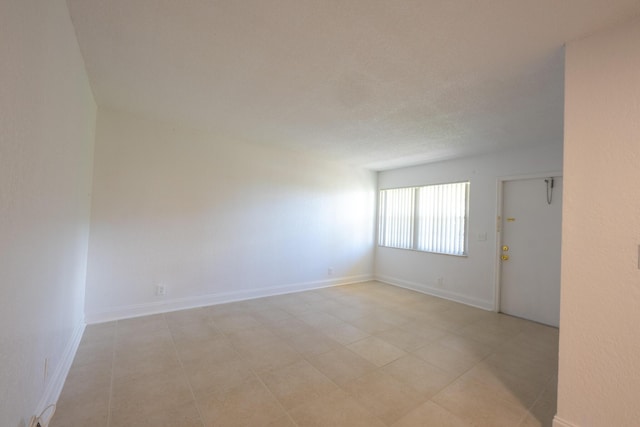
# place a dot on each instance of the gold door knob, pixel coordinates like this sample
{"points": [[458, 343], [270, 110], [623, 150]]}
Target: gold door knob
{"points": [[505, 248], [505, 257]]}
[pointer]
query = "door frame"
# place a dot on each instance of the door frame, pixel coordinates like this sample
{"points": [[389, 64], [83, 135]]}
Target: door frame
{"points": [[498, 243]]}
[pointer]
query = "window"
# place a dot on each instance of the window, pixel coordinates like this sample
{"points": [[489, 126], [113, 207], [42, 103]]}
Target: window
{"points": [[432, 218]]}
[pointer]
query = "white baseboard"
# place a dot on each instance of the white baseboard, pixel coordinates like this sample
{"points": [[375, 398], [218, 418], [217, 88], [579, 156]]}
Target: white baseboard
{"points": [[54, 387], [137, 310], [559, 422], [438, 292]]}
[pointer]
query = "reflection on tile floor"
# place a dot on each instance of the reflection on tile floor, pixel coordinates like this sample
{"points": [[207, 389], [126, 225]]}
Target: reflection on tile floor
{"points": [[367, 354]]}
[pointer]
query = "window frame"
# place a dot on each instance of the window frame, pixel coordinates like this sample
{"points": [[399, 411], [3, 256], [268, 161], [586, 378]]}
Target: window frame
{"points": [[415, 219]]}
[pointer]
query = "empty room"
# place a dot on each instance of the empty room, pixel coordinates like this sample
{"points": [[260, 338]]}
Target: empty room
{"points": [[319, 213]]}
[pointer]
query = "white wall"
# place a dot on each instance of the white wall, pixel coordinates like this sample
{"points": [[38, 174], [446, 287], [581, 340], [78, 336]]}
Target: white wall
{"points": [[470, 279], [216, 220], [599, 379], [47, 119]]}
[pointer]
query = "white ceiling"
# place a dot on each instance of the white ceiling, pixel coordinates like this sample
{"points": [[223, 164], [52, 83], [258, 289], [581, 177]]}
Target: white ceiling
{"points": [[376, 83]]}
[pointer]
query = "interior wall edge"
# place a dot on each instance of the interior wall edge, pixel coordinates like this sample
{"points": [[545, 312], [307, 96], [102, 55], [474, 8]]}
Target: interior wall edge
{"points": [[175, 304]]}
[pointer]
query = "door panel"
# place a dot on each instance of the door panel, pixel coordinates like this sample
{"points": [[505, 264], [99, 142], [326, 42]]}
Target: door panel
{"points": [[531, 239]]}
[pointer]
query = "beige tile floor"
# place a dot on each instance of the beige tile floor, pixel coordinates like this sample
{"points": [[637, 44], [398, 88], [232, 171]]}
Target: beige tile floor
{"points": [[367, 354]]}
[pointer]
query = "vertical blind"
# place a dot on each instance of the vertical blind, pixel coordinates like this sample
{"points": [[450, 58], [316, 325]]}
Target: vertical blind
{"points": [[431, 218], [396, 218]]}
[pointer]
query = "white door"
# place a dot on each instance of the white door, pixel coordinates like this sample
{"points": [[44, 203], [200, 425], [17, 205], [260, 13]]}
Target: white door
{"points": [[530, 249]]}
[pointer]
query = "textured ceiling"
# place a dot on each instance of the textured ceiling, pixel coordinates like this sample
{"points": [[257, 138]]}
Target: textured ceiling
{"points": [[378, 84]]}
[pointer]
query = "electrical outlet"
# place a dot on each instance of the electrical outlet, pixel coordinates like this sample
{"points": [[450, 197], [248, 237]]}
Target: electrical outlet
{"points": [[440, 282], [161, 290], [46, 368], [330, 271]]}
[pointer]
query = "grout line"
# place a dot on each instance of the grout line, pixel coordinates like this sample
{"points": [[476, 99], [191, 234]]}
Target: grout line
{"points": [[114, 340], [536, 400], [183, 371], [449, 411], [494, 351], [339, 387], [257, 376], [271, 392], [379, 369], [306, 359]]}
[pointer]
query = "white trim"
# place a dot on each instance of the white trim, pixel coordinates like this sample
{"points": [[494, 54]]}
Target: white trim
{"points": [[559, 422], [164, 306], [441, 293], [54, 386], [530, 176], [497, 265]]}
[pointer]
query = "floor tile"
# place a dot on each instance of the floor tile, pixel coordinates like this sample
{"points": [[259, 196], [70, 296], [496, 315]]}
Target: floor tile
{"points": [[535, 373], [372, 324], [79, 410], [128, 366], [193, 332], [290, 327], [477, 404], [465, 345], [447, 358], [252, 338], [404, 339], [505, 385], [283, 421], [334, 410], [182, 415], [366, 354], [423, 377], [235, 322], [186, 317], [550, 392], [424, 329], [297, 384], [296, 308], [540, 415], [344, 333], [532, 349], [148, 395], [249, 404], [384, 396], [218, 311], [430, 414], [319, 320], [131, 341], [272, 316], [270, 356], [141, 325], [313, 343], [486, 336], [99, 333], [342, 365], [218, 378], [95, 352], [86, 378], [218, 350], [376, 351]]}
